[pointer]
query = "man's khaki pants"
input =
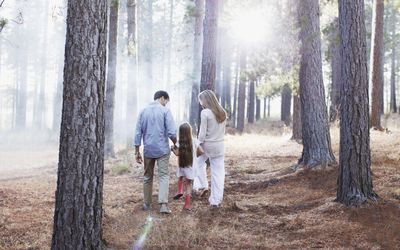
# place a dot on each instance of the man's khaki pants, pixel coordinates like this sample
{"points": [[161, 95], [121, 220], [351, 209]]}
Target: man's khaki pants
{"points": [[163, 173]]}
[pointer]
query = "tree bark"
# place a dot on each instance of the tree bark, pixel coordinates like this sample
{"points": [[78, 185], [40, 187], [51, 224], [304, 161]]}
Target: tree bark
{"points": [[235, 90], [296, 133], [241, 92], [197, 48], [265, 108], [315, 128], [209, 55], [111, 79], [355, 177], [251, 103], [131, 101], [78, 207], [334, 51], [258, 106], [377, 63], [286, 104], [393, 104], [227, 74]]}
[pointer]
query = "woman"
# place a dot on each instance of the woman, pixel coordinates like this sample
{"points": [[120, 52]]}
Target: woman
{"points": [[211, 137]]}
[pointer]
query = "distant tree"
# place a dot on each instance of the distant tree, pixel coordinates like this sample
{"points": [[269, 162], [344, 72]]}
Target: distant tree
{"points": [[227, 72], [145, 47], [286, 103], [315, 129], [297, 129], [355, 177], [335, 60], [393, 103], [131, 97], [78, 207], [376, 61], [197, 48], [251, 101], [241, 99], [111, 79]]}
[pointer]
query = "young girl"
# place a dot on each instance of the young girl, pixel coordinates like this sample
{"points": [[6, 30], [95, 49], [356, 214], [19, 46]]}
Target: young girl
{"points": [[187, 149], [211, 137]]}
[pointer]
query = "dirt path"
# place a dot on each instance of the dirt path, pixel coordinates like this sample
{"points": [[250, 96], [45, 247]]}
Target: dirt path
{"points": [[266, 205]]}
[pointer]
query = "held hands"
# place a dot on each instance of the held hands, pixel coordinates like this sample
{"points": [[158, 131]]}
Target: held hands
{"points": [[175, 150], [138, 158]]}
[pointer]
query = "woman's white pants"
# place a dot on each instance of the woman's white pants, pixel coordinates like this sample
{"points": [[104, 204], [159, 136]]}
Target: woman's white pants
{"points": [[217, 177]]}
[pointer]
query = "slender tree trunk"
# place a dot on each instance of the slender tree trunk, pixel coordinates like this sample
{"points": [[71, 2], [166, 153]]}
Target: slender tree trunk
{"points": [[208, 61], [251, 103], [286, 104], [169, 49], [355, 177], [265, 108], [235, 91], [296, 119], [269, 107], [197, 48], [258, 107], [315, 128], [227, 74], [131, 101], [393, 105], [78, 207], [21, 92], [111, 79], [40, 103], [145, 47], [377, 63], [58, 100], [242, 92], [334, 49]]}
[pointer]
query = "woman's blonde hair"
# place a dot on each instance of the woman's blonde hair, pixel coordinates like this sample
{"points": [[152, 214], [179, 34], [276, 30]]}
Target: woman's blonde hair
{"points": [[185, 158], [210, 101]]}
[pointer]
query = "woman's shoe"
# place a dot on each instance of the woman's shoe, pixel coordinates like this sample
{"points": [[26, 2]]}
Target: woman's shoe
{"points": [[179, 194], [204, 193], [187, 202]]}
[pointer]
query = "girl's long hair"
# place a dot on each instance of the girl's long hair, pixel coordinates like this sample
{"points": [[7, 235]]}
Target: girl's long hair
{"points": [[210, 101], [185, 158]]}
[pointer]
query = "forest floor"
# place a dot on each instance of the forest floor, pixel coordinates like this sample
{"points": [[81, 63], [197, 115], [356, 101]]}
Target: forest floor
{"points": [[266, 205]]}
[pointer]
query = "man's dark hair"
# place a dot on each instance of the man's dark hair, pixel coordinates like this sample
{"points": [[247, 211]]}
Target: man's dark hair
{"points": [[160, 94]]}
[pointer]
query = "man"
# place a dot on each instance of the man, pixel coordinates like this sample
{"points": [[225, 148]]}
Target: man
{"points": [[155, 124]]}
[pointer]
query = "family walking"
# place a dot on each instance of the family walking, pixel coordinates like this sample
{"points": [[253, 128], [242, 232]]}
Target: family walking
{"points": [[156, 127]]}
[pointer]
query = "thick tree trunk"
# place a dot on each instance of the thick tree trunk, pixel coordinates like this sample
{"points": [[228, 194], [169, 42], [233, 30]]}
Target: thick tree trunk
{"points": [[393, 104], [111, 80], [355, 177], [241, 92], [377, 63], [197, 48], [78, 207], [209, 55], [334, 49], [286, 104], [251, 103], [315, 128], [131, 101], [296, 119]]}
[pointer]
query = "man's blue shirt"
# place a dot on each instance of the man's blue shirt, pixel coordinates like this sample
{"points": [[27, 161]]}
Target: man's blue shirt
{"points": [[155, 124]]}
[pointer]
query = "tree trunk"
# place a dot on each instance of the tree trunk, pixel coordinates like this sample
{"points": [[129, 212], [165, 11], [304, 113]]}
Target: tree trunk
{"points": [[355, 177], [131, 101], [269, 107], [251, 102], [208, 61], [258, 106], [21, 92], [265, 108], [235, 91], [393, 105], [227, 74], [334, 49], [377, 63], [146, 45], [315, 128], [197, 48], [40, 98], [286, 104], [58, 100], [296, 119], [78, 207], [111, 79], [241, 92], [169, 49]]}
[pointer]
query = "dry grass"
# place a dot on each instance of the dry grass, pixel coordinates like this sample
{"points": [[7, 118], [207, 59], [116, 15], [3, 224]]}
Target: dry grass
{"points": [[266, 204]]}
